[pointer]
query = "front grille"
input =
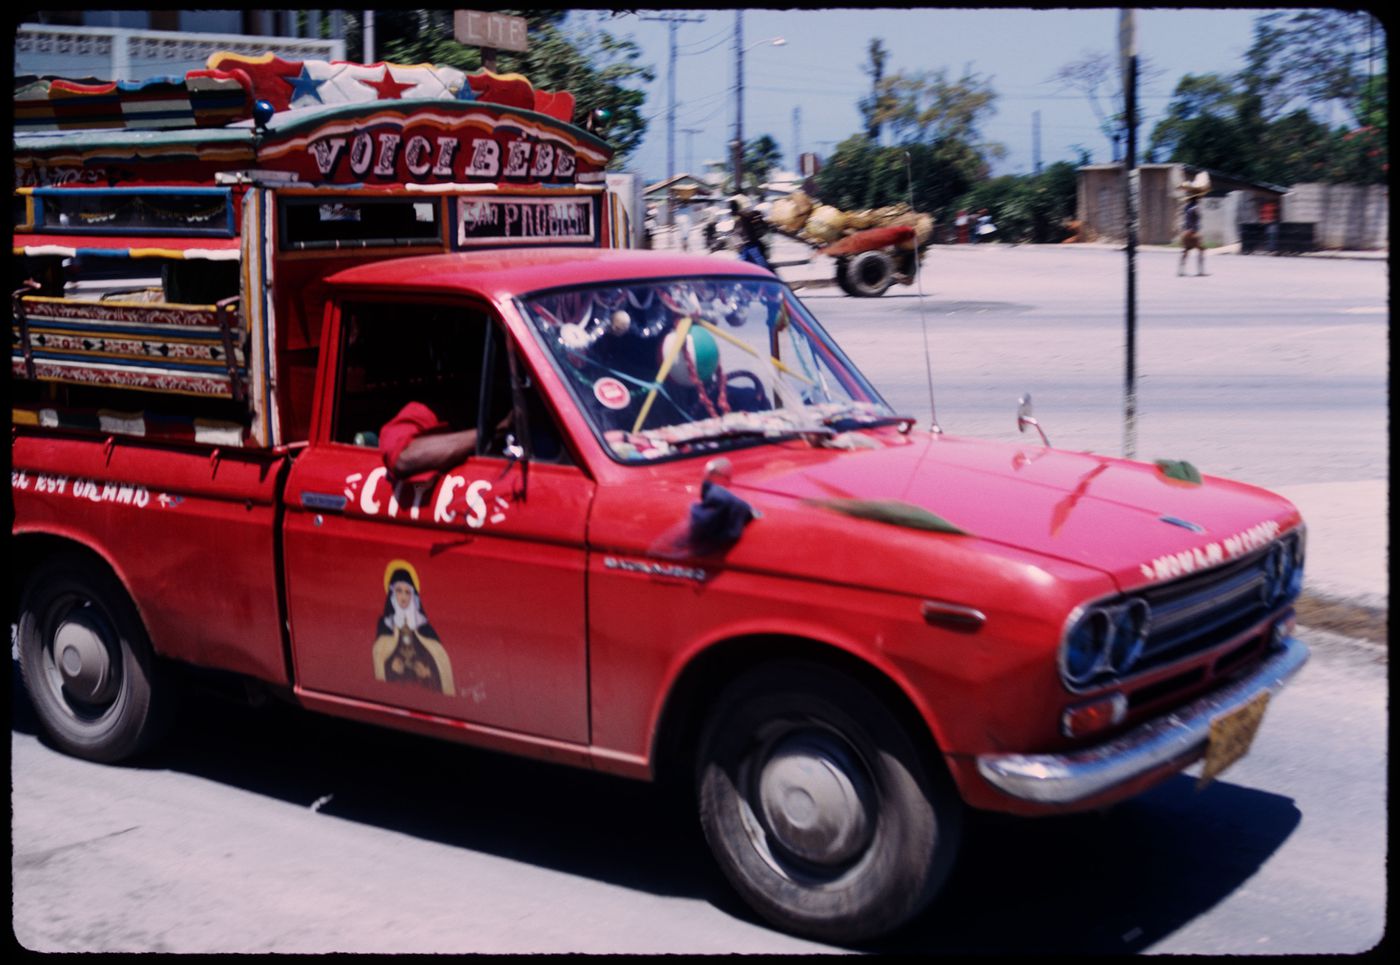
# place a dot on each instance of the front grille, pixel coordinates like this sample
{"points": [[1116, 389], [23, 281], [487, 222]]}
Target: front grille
{"points": [[1201, 610], [1160, 625]]}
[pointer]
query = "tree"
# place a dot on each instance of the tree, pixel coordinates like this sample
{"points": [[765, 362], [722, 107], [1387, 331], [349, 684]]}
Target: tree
{"points": [[596, 67], [1098, 77], [1200, 106], [1320, 56], [878, 103], [927, 106], [1263, 123], [939, 151], [862, 175], [1035, 208], [761, 155], [844, 179]]}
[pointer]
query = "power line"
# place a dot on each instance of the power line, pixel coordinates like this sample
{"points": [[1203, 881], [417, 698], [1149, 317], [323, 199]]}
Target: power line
{"points": [[673, 21]]}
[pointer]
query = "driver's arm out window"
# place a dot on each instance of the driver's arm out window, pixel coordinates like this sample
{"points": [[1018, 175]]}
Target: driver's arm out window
{"points": [[393, 354], [450, 358]]}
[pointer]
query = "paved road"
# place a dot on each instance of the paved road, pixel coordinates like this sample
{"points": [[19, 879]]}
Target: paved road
{"points": [[277, 831], [1270, 370]]}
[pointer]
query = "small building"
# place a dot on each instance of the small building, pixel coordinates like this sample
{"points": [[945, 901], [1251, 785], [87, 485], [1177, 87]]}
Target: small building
{"points": [[141, 45], [1232, 201], [677, 190], [681, 187]]}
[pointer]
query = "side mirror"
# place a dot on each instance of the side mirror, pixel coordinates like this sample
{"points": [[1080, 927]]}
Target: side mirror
{"points": [[1024, 418]]}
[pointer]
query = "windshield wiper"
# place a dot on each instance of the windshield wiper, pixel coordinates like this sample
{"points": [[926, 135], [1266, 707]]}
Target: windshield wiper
{"points": [[847, 422], [741, 432]]}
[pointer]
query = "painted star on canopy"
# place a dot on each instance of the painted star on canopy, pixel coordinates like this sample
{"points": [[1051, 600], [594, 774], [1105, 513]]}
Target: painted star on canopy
{"points": [[304, 85], [387, 88]]}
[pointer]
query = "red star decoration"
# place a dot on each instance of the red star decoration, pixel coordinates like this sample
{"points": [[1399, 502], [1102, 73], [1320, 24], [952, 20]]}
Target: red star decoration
{"points": [[387, 88]]}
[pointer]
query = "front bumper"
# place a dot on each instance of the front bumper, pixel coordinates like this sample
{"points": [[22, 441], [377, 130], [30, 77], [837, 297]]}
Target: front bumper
{"points": [[1178, 736]]}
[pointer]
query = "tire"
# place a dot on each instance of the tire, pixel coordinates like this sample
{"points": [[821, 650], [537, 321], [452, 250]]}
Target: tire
{"points": [[87, 664], [870, 273], [792, 743], [843, 267]]}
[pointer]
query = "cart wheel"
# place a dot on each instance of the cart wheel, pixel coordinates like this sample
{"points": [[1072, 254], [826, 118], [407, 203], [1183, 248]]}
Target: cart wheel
{"points": [[870, 273], [818, 806], [87, 664], [843, 267]]}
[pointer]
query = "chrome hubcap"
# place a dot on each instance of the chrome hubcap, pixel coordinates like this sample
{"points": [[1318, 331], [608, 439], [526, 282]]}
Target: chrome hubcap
{"points": [[83, 659], [814, 800]]}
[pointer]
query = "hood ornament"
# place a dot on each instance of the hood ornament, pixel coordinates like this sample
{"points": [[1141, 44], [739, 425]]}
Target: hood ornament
{"points": [[1183, 523]]}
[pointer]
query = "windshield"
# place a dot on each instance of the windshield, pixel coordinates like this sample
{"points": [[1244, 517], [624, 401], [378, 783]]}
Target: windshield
{"points": [[672, 367]]}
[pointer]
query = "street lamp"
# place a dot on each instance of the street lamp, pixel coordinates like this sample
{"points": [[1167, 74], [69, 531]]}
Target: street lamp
{"points": [[739, 49]]}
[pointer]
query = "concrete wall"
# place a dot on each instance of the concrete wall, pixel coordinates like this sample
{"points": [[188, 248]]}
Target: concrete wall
{"points": [[1100, 201], [1351, 217], [1347, 216], [1101, 204], [1218, 220], [1158, 211]]}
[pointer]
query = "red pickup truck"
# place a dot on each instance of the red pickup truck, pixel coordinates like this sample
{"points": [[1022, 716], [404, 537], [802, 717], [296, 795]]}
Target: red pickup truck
{"points": [[705, 543], [692, 542]]}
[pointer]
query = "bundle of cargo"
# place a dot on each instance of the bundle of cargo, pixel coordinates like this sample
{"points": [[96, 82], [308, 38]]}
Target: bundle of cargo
{"points": [[1196, 187], [790, 214], [873, 248], [823, 224]]}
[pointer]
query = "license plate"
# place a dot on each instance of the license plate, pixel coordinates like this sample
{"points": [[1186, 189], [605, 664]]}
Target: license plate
{"points": [[1230, 737]]}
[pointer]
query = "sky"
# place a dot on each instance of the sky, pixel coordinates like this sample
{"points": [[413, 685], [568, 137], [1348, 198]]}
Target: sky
{"points": [[804, 92]]}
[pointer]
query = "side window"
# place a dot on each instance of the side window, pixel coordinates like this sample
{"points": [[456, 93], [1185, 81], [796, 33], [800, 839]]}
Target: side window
{"points": [[451, 358], [395, 353], [546, 440]]}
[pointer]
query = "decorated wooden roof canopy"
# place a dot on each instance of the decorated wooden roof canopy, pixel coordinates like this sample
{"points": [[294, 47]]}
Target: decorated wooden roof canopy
{"points": [[332, 122]]}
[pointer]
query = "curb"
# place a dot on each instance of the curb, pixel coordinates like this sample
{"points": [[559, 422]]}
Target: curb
{"points": [[1343, 617]]}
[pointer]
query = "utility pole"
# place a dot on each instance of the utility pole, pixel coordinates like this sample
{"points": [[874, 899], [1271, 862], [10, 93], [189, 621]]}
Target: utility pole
{"points": [[1035, 140], [739, 102], [796, 137], [672, 21], [689, 133], [1127, 42]]}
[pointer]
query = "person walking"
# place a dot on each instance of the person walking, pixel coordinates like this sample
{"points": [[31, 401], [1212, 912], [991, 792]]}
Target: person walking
{"points": [[1191, 236], [753, 247], [985, 229], [683, 226]]}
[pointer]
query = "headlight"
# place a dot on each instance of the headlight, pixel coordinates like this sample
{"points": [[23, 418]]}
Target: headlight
{"points": [[1086, 647], [1295, 582], [1129, 635], [1283, 571], [1105, 640]]}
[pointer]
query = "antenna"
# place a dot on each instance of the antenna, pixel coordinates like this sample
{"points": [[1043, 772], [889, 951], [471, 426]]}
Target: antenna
{"points": [[934, 427]]}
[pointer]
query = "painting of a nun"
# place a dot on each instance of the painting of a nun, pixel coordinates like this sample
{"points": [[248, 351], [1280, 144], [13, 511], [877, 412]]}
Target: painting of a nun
{"points": [[406, 647]]}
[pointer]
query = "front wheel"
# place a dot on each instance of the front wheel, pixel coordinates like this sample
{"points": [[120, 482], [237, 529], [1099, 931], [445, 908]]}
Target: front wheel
{"points": [[87, 664], [819, 808]]}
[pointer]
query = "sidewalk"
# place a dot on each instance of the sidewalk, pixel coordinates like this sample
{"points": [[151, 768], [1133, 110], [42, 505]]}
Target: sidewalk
{"points": [[1381, 254], [1346, 583]]}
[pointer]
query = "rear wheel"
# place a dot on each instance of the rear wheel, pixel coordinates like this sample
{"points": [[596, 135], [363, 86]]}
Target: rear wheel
{"points": [[869, 274], [818, 807], [87, 664], [843, 267]]}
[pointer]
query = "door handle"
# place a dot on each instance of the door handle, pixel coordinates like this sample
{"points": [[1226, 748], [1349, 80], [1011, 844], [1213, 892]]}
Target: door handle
{"points": [[325, 502]]}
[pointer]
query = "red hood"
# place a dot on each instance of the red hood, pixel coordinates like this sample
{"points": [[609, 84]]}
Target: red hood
{"points": [[1091, 510]]}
